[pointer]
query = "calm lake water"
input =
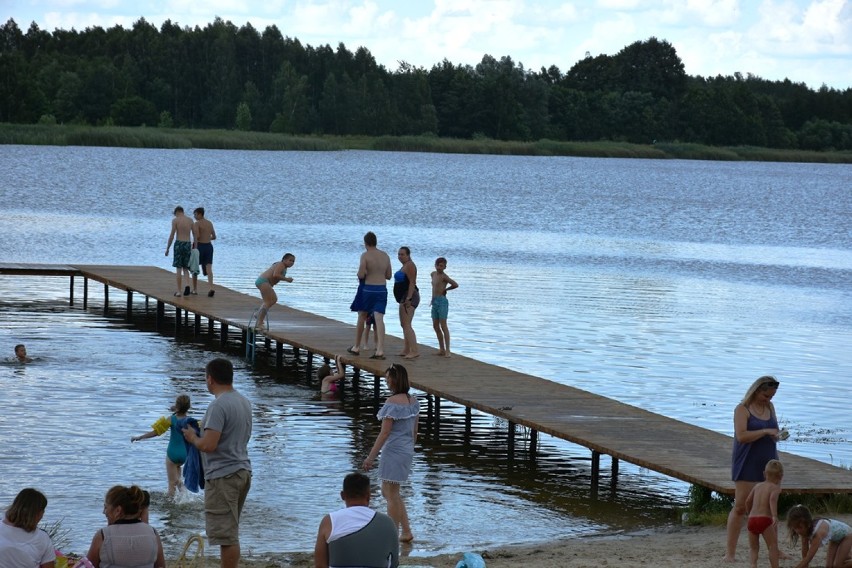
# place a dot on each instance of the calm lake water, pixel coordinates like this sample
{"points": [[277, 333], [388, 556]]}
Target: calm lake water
{"points": [[669, 285]]}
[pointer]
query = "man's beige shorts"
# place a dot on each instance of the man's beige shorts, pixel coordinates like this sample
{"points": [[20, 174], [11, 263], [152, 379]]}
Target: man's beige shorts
{"points": [[224, 498]]}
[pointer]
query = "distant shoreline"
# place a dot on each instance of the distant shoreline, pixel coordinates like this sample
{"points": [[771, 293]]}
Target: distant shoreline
{"points": [[174, 138]]}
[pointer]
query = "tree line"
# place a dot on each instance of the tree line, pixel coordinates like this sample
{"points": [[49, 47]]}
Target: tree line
{"points": [[222, 76]]}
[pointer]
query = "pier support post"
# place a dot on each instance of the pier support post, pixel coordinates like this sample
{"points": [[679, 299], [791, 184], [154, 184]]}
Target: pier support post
{"points": [[197, 327], [161, 314], [85, 292], [376, 387], [129, 305], [613, 482], [250, 341], [106, 298], [177, 320], [71, 292], [596, 471], [511, 441], [211, 328], [437, 435], [356, 384], [468, 419], [279, 354], [533, 444], [223, 334], [309, 367], [430, 413]]}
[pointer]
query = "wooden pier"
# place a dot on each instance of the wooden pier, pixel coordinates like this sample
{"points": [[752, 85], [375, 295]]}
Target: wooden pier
{"points": [[605, 426]]}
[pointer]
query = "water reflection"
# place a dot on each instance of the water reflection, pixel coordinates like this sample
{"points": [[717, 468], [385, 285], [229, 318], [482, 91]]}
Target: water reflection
{"points": [[99, 379]]}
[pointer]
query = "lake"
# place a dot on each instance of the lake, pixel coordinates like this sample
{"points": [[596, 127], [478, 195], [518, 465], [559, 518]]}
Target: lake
{"points": [[669, 285]]}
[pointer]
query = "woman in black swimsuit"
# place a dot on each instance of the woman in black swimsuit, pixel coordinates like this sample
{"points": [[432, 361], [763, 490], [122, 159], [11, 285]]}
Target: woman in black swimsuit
{"points": [[406, 293]]}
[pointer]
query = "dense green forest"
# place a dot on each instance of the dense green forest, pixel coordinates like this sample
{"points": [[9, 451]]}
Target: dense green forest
{"points": [[225, 77]]}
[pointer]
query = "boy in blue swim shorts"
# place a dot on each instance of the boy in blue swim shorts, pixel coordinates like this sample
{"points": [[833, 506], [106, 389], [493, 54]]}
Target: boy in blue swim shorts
{"points": [[441, 284]]}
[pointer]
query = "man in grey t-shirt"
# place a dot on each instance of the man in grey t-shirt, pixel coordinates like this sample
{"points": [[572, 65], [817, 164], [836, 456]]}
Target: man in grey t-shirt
{"points": [[224, 452]]}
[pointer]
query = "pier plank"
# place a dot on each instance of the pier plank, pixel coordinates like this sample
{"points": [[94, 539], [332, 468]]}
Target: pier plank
{"points": [[23, 269]]}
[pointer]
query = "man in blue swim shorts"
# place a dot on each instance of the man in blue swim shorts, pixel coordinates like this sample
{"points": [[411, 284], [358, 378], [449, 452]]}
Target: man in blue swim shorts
{"points": [[375, 270], [441, 284], [182, 229]]}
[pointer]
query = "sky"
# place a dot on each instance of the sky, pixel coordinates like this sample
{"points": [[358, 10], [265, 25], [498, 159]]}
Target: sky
{"points": [[806, 41]]}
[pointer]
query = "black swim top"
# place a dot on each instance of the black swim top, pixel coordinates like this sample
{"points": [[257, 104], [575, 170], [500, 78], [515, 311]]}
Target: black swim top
{"points": [[400, 286]]}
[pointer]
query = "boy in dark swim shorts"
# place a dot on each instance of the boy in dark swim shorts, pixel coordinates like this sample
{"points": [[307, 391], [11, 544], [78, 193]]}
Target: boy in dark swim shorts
{"points": [[762, 505]]}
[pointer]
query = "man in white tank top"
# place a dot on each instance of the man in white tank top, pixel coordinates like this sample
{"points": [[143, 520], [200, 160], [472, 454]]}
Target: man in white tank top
{"points": [[357, 535]]}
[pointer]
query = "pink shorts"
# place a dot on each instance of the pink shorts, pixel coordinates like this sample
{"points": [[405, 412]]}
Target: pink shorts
{"points": [[757, 525]]}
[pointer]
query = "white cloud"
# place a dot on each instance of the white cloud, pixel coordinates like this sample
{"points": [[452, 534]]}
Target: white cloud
{"points": [[465, 31], [618, 4], [712, 13], [822, 28], [565, 12], [827, 22], [80, 21], [599, 41]]}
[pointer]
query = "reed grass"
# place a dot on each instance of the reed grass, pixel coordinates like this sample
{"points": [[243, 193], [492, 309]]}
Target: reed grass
{"points": [[755, 154], [145, 137], [148, 137], [705, 507]]}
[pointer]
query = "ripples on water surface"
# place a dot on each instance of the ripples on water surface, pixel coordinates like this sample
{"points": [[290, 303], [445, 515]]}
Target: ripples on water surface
{"points": [[669, 285]]}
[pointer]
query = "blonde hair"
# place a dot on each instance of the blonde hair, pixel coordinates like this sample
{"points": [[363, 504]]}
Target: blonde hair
{"points": [[763, 383], [773, 471], [181, 405], [25, 511]]}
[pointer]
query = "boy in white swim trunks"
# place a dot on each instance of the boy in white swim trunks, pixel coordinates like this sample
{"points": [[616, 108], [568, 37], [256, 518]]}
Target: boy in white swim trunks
{"points": [[441, 284]]}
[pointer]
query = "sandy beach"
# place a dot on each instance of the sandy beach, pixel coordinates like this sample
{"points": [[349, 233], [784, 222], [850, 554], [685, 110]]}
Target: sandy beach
{"points": [[671, 547]]}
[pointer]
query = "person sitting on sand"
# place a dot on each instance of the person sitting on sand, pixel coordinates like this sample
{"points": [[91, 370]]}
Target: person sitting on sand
{"points": [[126, 540], [22, 543], [356, 535]]}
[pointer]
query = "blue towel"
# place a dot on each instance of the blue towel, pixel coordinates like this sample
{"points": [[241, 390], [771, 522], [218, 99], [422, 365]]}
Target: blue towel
{"points": [[193, 470], [471, 560]]}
